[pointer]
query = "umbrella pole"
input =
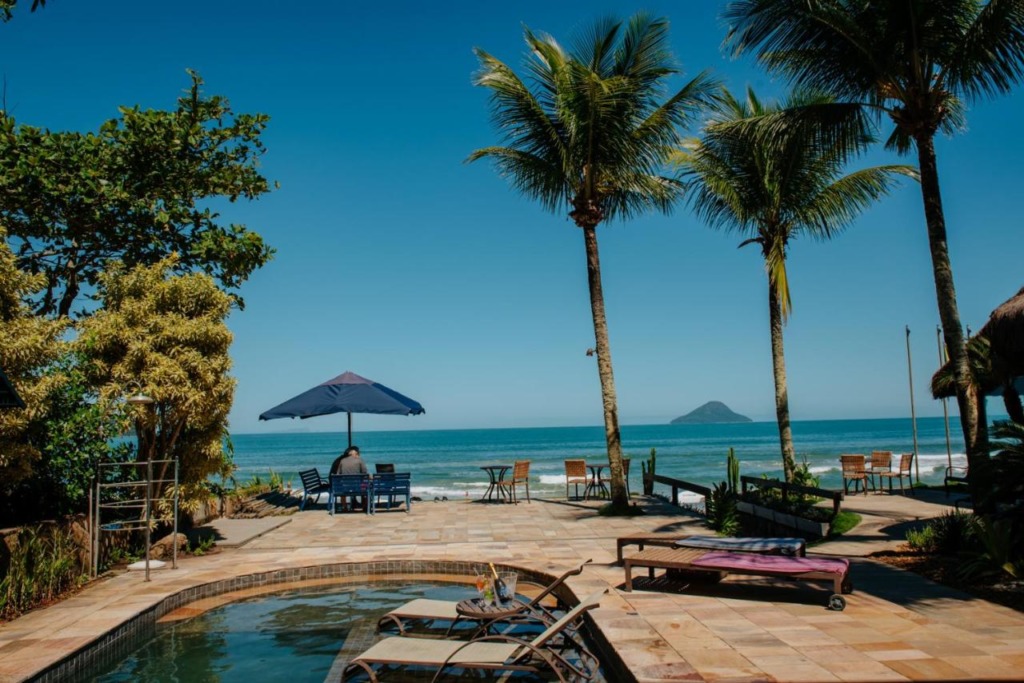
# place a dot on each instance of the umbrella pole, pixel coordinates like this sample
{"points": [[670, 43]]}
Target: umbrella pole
{"points": [[349, 430]]}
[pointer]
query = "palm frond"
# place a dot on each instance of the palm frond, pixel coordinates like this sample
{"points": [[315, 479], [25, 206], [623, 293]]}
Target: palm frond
{"points": [[990, 58]]}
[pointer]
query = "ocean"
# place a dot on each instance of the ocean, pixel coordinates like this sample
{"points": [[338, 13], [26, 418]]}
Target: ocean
{"points": [[446, 463]]}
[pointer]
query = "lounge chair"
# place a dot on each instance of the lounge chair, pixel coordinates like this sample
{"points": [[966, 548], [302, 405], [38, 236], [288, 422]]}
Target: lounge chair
{"points": [[904, 471], [576, 474], [836, 570], [312, 484], [520, 475], [429, 611], [488, 653], [854, 471], [765, 546]]}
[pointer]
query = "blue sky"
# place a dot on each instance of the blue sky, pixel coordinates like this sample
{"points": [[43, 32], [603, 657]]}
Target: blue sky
{"points": [[399, 262]]}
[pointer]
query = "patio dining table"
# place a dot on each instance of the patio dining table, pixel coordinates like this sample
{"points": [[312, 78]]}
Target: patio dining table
{"points": [[495, 491], [596, 487]]}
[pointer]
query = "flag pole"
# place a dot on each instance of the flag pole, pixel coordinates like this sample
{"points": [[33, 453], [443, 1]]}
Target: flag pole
{"points": [[913, 414], [945, 409]]}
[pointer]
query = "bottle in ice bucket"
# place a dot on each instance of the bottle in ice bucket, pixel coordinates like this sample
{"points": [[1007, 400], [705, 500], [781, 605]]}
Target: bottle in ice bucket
{"points": [[500, 590]]}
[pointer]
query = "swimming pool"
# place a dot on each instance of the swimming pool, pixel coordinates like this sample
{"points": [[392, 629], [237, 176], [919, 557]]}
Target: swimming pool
{"points": [[294, 635]]}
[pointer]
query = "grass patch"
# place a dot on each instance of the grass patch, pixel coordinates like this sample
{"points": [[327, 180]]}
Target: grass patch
{"points": [[843, 522]]}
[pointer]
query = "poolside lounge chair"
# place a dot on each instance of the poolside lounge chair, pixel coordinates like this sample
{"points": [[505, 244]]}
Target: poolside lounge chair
{"points": [[747, 544], [904, 471], [520, 475], [576, 474], [489, 653], [429, 611], [854, 471], [836, 570], [312, 484]]}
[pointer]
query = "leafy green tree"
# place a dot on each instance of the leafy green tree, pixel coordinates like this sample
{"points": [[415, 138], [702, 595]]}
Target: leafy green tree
{"points": [[28, 348], [773, 188], [136, 191], [7, 8], [916, 62], [166, 336], [591, 136]]}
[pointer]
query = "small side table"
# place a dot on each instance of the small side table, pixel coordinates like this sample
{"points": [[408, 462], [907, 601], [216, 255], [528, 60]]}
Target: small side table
{"points": [[488, 613]]}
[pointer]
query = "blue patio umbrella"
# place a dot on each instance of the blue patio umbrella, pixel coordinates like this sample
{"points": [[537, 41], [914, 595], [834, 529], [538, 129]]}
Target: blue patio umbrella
{"points": [[346, 393]]}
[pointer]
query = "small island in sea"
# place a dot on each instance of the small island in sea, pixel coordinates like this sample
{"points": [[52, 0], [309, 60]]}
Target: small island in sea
{"points": [[712, 412]]}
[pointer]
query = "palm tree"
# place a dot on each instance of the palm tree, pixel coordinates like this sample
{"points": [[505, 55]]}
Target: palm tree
{"points": [[590, 135], [917, 62], [774, 188]]}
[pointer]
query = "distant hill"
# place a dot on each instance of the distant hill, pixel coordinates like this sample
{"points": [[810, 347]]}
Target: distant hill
{"points": [[712, 412]]}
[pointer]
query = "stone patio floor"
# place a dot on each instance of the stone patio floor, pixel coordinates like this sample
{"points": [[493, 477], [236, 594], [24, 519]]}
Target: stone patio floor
{"points": [[897, 625]]}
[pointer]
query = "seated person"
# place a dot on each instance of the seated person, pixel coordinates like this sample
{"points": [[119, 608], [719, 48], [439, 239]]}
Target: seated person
{"points": [[350, 462]]}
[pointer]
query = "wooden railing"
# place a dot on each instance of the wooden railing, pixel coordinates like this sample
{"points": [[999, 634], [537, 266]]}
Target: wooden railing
{"points": [[676, 484], [787, 488]]}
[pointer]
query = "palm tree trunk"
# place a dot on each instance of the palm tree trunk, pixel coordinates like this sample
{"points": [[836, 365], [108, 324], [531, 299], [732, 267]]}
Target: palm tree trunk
{"points": [[781, 391], [949, 315], [604, 368]]}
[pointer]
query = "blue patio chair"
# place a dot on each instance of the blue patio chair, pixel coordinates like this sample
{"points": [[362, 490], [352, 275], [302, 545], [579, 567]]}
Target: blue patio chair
{"points": [[312, 485], [393, 485], [351, 486]]}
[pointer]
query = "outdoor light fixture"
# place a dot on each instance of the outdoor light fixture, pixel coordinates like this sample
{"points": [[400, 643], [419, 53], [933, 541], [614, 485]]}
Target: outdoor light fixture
{"points": [[140, 399]]}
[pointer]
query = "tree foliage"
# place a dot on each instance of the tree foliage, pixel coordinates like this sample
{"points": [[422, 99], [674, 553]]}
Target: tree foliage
{"points": [[768, 172], [165, 335], [139, 189], [918, 62], [7, 8], [590, 132], [29, 346]]}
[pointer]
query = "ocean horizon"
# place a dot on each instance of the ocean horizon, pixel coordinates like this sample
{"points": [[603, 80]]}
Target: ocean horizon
{"points": [[445, 463]]}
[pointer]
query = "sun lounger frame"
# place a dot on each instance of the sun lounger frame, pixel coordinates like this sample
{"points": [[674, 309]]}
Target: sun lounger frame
{"points": [[684, 558], [675, 541]]}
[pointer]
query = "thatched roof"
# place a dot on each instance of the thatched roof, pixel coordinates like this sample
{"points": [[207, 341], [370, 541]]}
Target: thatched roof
{"points": [[1005, 331], [8, 396], [996, 352]]}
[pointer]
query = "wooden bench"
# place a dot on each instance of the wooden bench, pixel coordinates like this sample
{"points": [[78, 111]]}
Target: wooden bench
{"points": [[723, 563]]}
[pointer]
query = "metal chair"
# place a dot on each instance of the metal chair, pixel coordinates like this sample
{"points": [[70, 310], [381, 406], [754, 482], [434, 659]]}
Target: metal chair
{"points": [[354, 486], [904, 471], [880, 462], [854, 471], [625, 476], [576, 474], [520, 475], [312, 485]]}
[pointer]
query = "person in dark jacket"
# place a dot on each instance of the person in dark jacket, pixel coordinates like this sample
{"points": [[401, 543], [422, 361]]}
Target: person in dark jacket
{"points": [[351, 462]]}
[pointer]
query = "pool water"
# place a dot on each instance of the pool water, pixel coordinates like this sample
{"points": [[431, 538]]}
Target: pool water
{"points": [[293, 636]]}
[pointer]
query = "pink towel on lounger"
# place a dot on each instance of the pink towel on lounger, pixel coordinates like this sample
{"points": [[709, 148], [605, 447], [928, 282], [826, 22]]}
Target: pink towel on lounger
{"points": [[776, 564]]}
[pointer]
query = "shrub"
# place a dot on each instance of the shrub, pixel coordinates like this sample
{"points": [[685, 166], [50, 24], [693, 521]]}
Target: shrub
{"points": [[44, 563], [721, 508], [953, 533], [922, 540]]}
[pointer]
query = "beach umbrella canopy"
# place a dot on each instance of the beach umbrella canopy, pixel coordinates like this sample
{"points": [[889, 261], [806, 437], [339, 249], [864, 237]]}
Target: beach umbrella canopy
{"points": [[346, 393]]}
